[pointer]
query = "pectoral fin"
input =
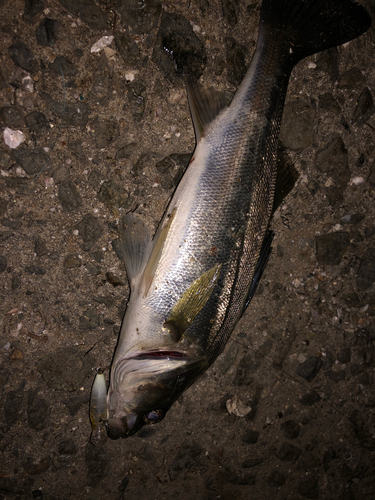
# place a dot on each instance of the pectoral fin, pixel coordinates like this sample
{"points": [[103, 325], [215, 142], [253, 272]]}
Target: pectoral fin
{"points": [[191, 303]]}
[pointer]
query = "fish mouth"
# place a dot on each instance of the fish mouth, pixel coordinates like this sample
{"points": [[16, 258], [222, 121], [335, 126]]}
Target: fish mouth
{"points": [[149, 364], [145, 384], [129, 424], [122, 427]]}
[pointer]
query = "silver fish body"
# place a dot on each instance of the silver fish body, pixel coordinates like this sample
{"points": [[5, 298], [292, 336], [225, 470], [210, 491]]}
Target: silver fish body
{"points": [[190, 283]]}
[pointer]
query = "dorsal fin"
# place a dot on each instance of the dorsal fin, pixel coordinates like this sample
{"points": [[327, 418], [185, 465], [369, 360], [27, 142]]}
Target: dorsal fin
{"points": [[136, 244], [287, 176], [264, 255], [205, 105]]}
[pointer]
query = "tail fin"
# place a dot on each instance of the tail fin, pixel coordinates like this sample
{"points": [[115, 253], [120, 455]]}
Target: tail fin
{"points": [[310, 26]]}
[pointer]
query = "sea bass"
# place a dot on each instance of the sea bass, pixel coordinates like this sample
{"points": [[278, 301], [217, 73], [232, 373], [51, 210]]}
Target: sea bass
{"points": [[192, 281]]}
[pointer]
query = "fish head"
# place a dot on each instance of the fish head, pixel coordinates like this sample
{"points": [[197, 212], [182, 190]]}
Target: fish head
{"points": [[145, 385]]}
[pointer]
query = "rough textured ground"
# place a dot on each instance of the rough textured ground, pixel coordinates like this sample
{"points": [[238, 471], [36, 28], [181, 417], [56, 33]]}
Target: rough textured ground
{"points": [[303, 355]]}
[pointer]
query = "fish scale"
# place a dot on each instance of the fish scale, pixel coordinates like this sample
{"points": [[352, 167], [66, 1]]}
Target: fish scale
{"points": [[191, 282]]}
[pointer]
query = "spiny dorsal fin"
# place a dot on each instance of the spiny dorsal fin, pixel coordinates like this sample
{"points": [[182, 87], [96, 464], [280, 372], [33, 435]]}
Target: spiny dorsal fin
{"points": [[136, 244], [191, 303], [205, 105], [264, 255], [287, 176], [155, 255]]}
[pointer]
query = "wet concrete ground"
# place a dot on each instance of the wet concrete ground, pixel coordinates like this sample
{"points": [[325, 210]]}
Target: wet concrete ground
{"points": [[115, 130]]}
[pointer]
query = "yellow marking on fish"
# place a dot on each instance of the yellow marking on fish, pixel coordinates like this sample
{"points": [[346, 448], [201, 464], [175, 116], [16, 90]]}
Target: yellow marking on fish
{"points": [[192, 302]]}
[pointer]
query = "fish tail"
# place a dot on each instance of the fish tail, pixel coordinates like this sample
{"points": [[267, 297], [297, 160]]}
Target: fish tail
{"points": [[310, 26]]}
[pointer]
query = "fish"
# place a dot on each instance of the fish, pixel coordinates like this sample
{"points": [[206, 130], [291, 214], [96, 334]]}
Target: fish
{"points": [[192, 281]]}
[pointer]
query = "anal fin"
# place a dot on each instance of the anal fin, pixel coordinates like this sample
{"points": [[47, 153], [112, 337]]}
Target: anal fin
{"points": [[204, 104]]}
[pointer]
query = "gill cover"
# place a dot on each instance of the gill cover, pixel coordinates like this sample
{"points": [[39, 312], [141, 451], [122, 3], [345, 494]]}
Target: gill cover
{"points": [[144, 387]]}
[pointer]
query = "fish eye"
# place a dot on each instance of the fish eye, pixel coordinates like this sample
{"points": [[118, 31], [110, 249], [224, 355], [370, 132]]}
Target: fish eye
{"points": [[153, 417]]}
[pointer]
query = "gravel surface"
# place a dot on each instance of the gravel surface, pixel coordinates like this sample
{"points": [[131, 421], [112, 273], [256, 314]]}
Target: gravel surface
{"points": [[112, 128]]}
